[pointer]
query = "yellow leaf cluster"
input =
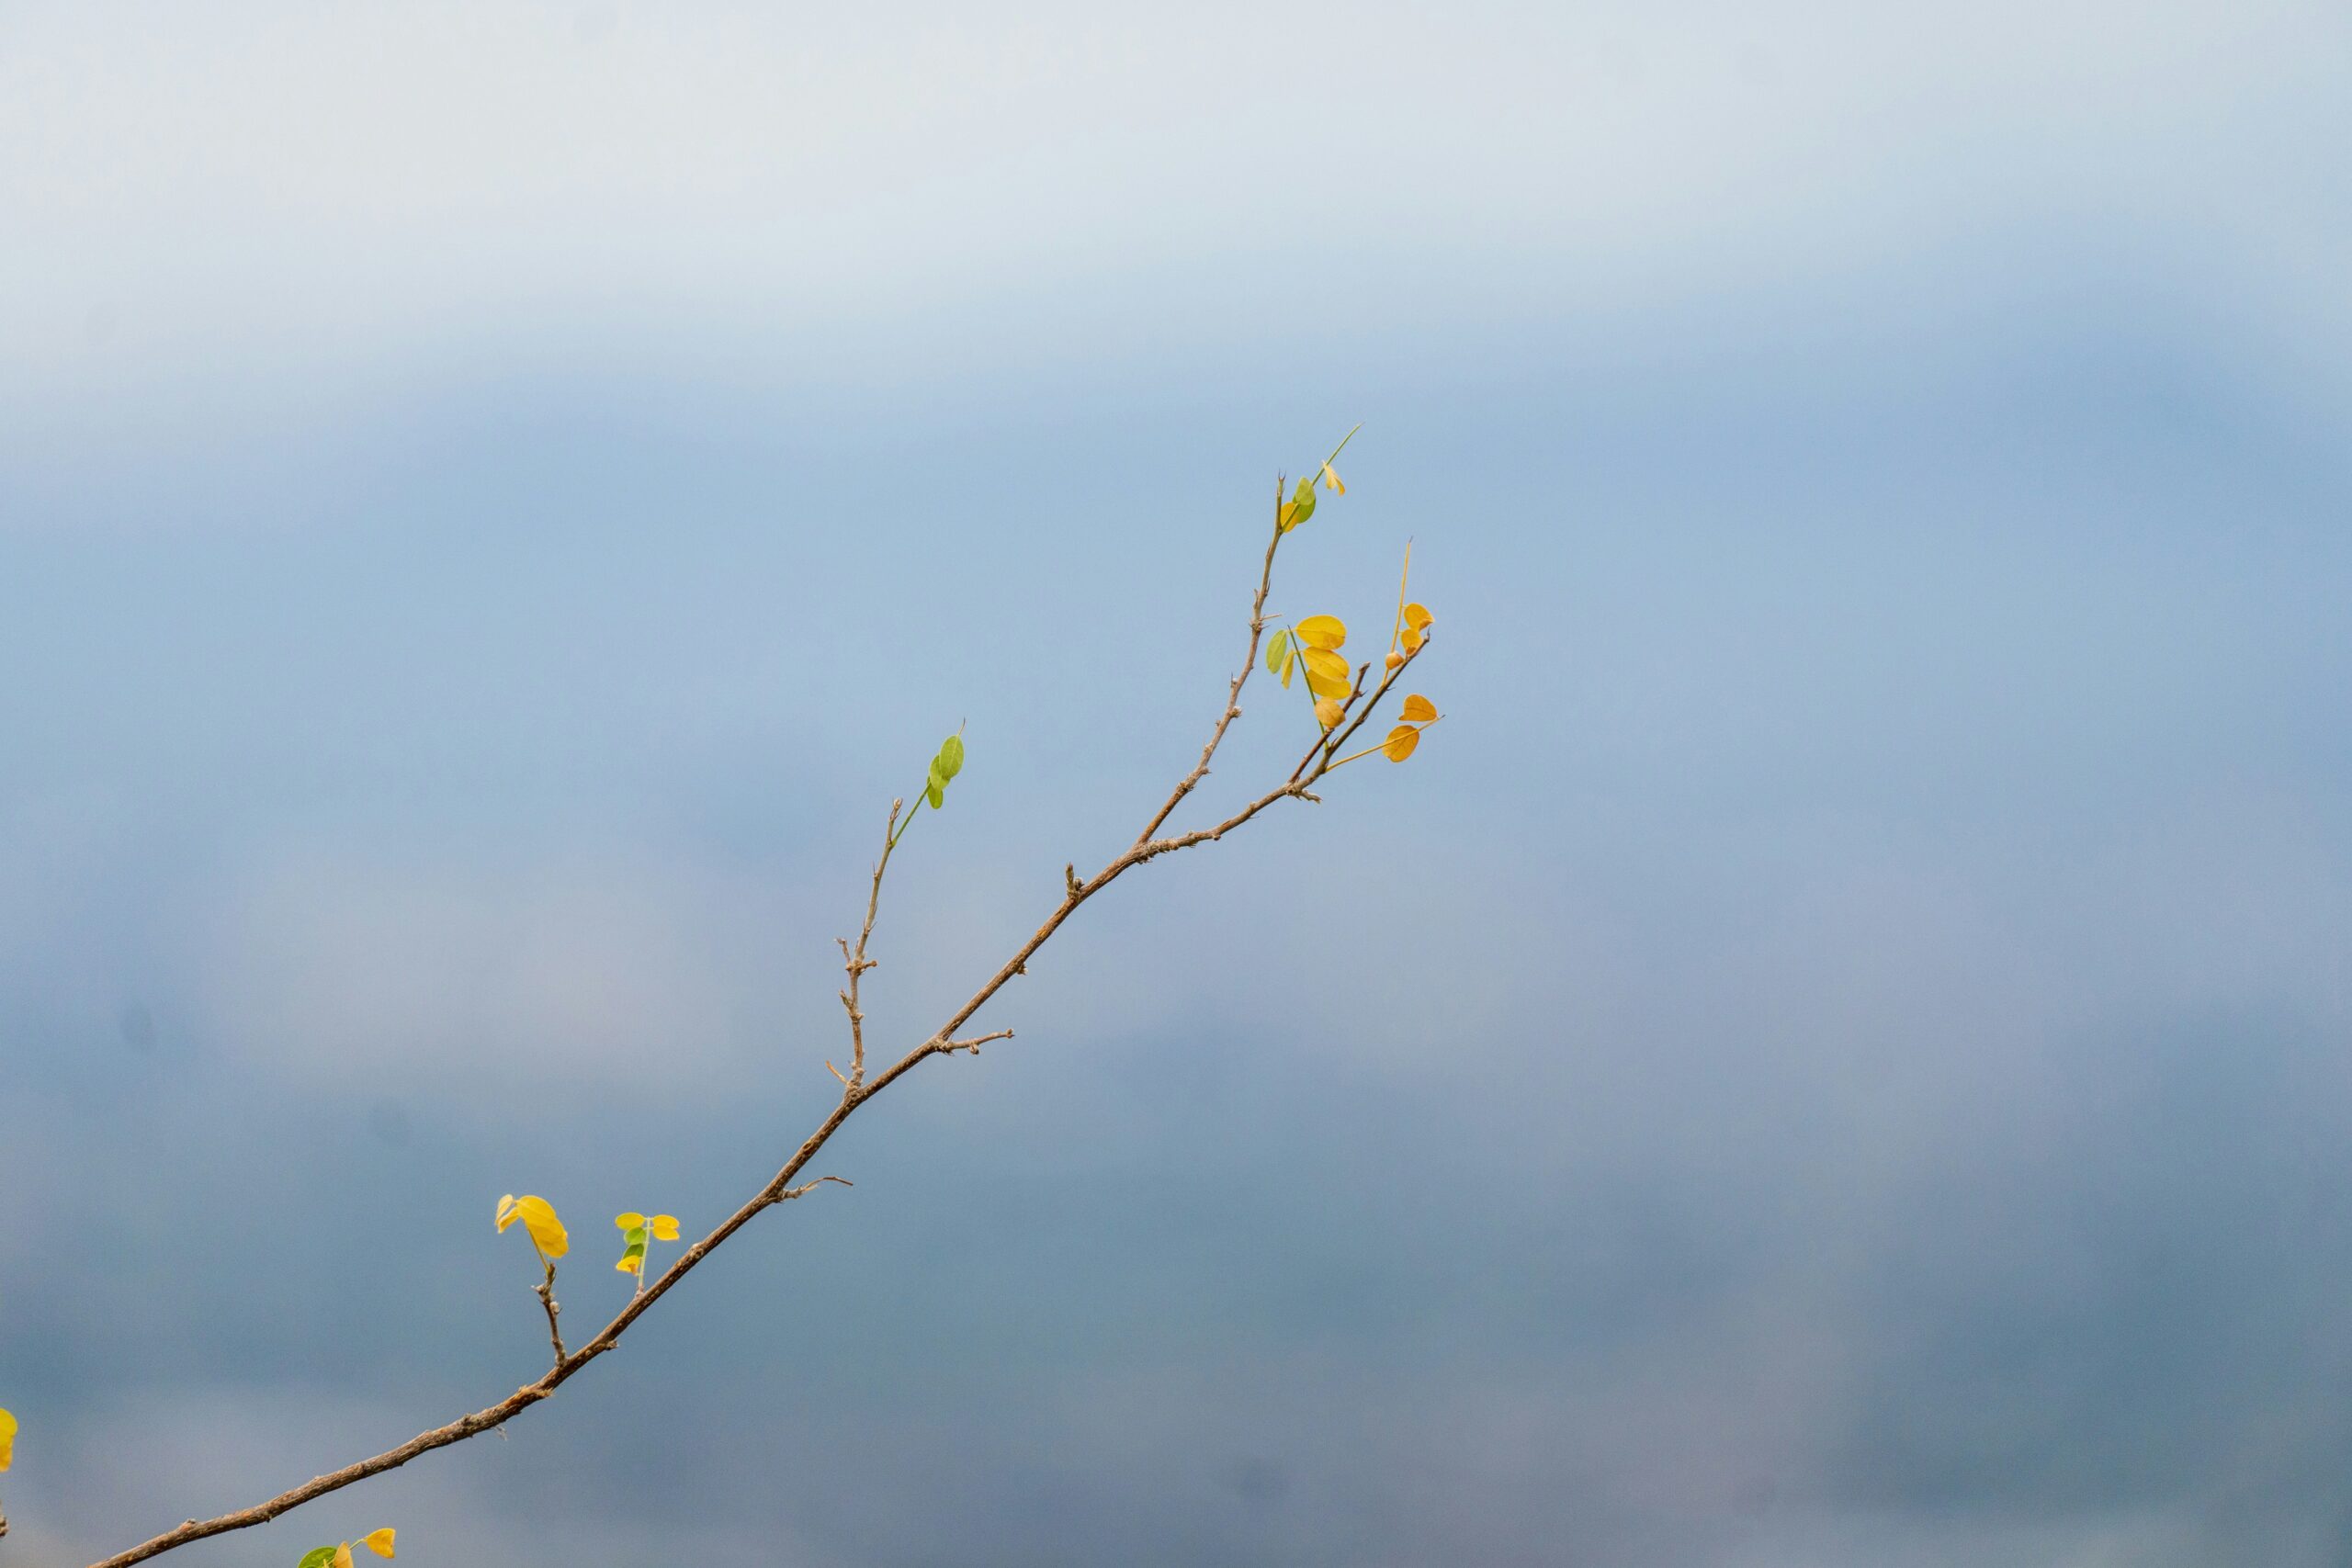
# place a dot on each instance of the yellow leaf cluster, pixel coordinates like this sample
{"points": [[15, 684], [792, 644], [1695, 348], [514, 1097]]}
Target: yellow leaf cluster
{"points": [[1313, 645], [636, 1230], [1319, 639], [539, 1217], [8, 1439]]}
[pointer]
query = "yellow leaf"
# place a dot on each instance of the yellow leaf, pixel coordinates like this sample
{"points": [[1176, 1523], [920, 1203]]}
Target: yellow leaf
{"points": [[665, 1228], [1322, 631], [1400, 742], [629, 1264], [1287, 517], [8, 1439], [629, 1221], [1417, 616], [1332, 480], [1419, 708], [342, 1558], [538, 1218], [1290, 662], [380, 1542], [1326, 673], [1326, 688], [1326, 712], [1412, 640]]}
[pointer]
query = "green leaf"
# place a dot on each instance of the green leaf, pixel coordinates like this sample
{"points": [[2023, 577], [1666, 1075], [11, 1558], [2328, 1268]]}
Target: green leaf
{"points": [[317, 1557], [935, 792], [636, 1238], [1277, 651], [950, 761], [1302, 502]]}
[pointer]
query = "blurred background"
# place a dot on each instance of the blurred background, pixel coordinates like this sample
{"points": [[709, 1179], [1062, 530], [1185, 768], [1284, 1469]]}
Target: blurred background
{"points": [[1835, 1054]]}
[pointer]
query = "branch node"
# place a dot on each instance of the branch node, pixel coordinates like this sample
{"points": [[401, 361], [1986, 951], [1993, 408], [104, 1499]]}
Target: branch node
{"points": [[948, 1047]]}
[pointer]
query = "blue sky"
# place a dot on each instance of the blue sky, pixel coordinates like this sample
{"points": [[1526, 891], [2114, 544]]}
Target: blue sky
{"points": [[1833, 1053]]}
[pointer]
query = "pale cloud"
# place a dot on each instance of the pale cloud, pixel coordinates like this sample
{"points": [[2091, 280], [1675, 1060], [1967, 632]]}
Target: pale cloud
{"points": [[225, 198]]}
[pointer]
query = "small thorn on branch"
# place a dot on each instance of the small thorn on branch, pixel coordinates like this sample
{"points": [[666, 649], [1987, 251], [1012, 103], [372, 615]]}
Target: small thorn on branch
{"points": [[836, 1072]]}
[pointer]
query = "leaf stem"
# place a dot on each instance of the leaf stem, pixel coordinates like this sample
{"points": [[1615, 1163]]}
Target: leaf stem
{"points": [[1370, 749]]}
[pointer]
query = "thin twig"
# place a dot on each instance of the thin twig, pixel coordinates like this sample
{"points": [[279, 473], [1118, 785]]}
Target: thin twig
{"points": [[545, 1291], [808, 1187], [857, 964], [1233, 698]]}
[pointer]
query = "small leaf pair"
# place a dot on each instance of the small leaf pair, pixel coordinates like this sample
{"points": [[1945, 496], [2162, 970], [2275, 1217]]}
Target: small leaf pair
{"points": [[943, 767], [537, 1216], [1412, 619], [1418, 713], [1417, 710], [1417, 626], [380, 1542], [1289, 514], [1298, 508], [636, 1229]]}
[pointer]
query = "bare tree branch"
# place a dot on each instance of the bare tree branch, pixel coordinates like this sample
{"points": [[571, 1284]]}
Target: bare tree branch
{"points": [[856, 1089]]}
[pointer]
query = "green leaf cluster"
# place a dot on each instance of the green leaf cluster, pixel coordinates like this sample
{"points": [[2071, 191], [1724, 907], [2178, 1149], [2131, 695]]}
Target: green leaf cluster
{"points": [[943, 767]]}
